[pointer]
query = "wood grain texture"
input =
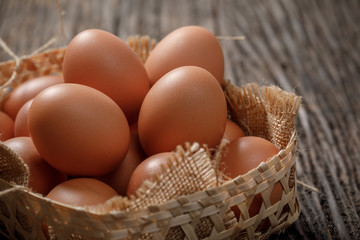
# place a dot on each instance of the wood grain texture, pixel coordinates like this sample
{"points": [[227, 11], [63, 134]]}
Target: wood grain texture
{"points": [[308, 47]]}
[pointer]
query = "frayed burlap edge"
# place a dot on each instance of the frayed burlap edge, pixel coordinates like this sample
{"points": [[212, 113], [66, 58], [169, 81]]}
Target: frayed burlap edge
{"points": [[13, 169]]}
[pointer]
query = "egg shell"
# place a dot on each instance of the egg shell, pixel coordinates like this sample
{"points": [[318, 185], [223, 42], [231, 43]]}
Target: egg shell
{"points": [[185, 105], [244, 154], [101, 60], [188, 45], [82, 192], [120, 177], [21, 120], [6, 127], [28, 90], [42, 176], [78, 129], [134, 127], [155, 164], [232, 131]]}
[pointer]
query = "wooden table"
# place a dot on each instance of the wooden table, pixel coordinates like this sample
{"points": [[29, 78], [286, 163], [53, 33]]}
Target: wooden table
{"points": [[308, 47]]}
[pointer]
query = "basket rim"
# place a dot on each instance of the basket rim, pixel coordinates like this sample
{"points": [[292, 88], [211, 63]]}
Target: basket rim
{"points": [[35, 56]]}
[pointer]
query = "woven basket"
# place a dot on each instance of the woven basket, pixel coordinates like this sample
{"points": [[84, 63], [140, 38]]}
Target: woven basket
{"points": [[267, 112]]}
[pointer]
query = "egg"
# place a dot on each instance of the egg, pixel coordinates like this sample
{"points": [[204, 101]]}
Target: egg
{"points": [[188, 45], [120, 177], [21, 120], [82, 192], [244, 154], [101, 60], [155, 164], [42, 176], [232, 131], [134, 127], [6, 126], [28, 90], [186, 105], [78, 129]]}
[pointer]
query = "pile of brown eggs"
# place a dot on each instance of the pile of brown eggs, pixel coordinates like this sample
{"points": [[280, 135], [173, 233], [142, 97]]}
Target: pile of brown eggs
{"points": [[109, 121]]}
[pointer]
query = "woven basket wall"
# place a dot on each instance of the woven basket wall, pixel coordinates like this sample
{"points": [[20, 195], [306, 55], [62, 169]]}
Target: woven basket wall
{"points": [[267, 112]]}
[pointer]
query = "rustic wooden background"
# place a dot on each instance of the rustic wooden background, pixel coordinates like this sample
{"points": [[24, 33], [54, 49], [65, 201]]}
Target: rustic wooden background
{"points": [[308, 47]]}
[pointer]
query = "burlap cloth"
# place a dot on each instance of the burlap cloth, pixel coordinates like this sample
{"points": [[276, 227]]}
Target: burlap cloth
{"points": [[190, 200]]}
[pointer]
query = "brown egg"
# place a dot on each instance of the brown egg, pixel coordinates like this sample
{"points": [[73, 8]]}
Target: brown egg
{"points": [[189, 45], [28, 90], [78, 129], [119, 179], [42, 177], [185, 105], [232, 131], [134, 127], [82, 192], [245, 154], [146, 170], [21, 121], [103, 61], [6, 127]]}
